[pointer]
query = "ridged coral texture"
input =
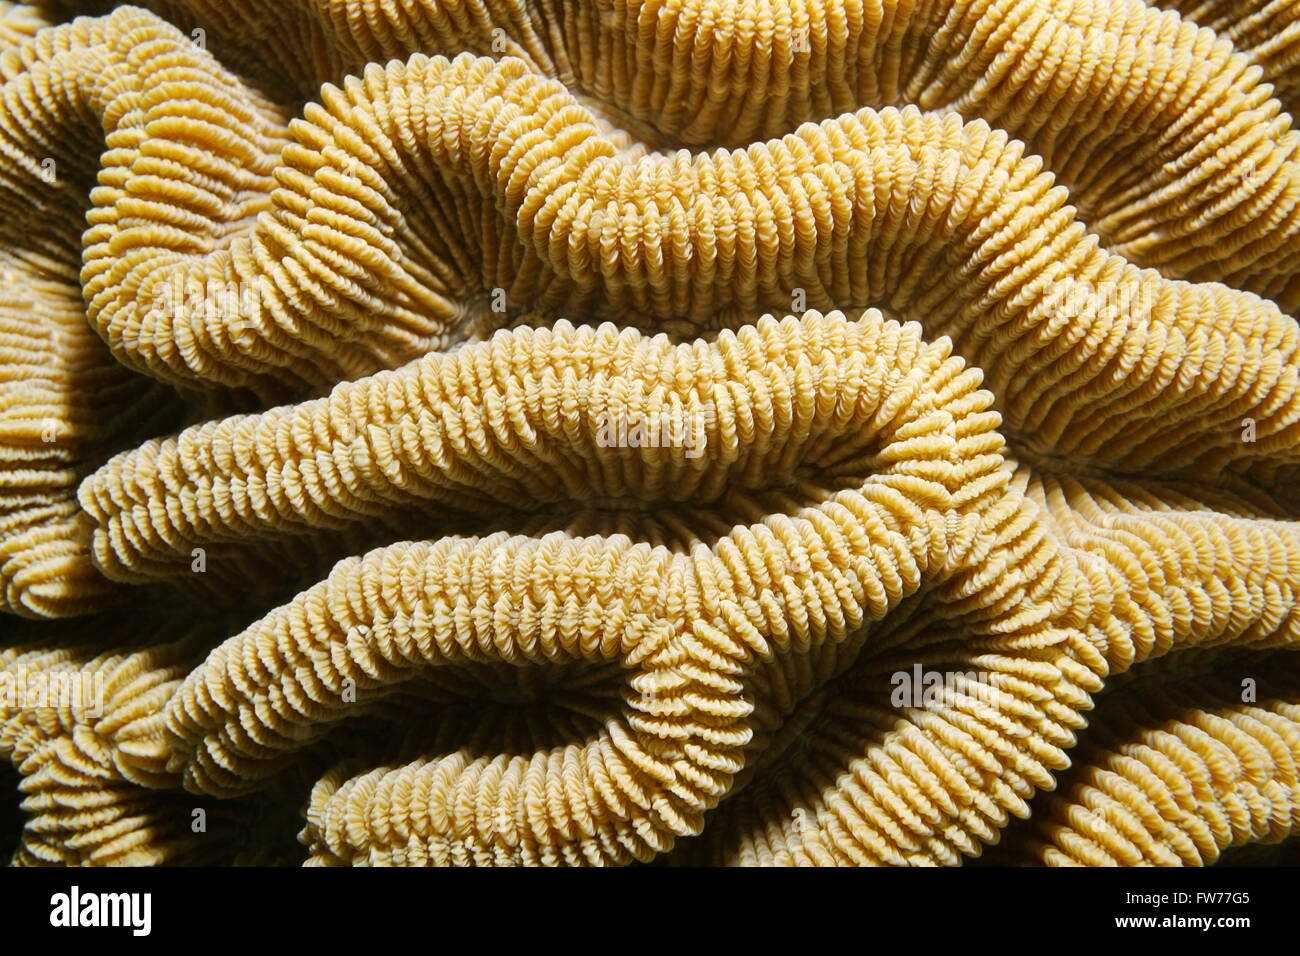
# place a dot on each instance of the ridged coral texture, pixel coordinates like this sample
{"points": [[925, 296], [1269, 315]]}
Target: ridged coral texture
{"points": [[699, 432]]}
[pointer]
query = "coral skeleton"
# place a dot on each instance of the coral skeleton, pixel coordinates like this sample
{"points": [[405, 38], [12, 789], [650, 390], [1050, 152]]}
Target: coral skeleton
{"points": [[690, 432]]}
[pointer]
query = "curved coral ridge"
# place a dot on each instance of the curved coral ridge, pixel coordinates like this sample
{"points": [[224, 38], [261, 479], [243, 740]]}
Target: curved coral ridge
{"points": [[1267, 32], [1165, 134], [1176, 769], [607, 654]]}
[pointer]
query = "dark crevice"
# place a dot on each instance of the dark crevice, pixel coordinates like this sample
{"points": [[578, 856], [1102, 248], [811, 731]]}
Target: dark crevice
{"points": [[11, 814]]}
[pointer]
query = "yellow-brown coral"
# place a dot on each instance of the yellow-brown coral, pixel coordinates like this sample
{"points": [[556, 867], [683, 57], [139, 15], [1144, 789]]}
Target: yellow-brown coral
{"points": [[424, 362]]}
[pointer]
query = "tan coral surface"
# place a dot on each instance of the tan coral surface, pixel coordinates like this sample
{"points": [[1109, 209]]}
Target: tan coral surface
{"points": [[727, 432]]}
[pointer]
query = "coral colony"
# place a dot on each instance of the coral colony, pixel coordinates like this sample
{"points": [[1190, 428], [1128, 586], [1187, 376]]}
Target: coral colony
{"points": [[709, 432]]}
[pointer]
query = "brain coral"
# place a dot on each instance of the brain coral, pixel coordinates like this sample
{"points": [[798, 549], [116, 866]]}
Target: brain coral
{"points": [[727, 432]]}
